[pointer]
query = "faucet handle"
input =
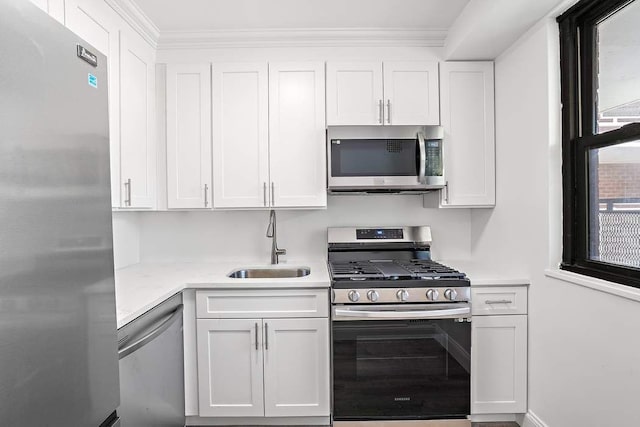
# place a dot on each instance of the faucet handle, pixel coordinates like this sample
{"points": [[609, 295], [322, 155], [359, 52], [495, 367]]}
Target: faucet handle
{"points": [[281, 251]]}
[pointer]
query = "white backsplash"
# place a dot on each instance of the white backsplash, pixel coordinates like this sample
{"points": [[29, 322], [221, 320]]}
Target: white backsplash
{"points": [[240, 235]]}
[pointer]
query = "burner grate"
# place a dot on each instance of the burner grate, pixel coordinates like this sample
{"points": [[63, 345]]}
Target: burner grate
{"points": [[428, 268], [354, 269]]}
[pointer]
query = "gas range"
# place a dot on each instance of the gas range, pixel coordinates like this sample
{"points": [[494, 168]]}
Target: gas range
{"points": [[390, 265], [401, 330]]}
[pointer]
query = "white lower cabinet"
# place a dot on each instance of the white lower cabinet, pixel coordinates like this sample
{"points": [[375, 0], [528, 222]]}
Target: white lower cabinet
{"points": [[230, 367], [273, 366], [499, 351], [296, 367]]}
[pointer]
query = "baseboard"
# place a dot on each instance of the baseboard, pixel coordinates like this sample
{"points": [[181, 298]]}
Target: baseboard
{"points": [[532, 420], [257, 421], [492, 418]]}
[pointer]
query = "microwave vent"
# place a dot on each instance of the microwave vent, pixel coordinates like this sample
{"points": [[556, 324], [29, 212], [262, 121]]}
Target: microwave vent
{"points": [[394, 146]]}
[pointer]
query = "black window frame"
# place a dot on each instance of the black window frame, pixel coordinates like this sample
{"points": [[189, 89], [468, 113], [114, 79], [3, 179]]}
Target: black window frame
{"points": [[578, 78]]}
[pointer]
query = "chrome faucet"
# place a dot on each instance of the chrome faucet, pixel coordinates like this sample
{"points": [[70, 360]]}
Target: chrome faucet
{"points": [[272, 233]]}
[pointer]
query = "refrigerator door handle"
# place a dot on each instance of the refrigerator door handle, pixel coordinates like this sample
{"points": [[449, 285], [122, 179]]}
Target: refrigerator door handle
{"points": [[127, 350]]}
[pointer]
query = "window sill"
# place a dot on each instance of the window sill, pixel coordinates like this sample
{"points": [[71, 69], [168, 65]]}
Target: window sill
{"points": [[611, 288]]}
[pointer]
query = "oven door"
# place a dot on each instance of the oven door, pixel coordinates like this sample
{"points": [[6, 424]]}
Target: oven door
{"points": [[402, 365]]}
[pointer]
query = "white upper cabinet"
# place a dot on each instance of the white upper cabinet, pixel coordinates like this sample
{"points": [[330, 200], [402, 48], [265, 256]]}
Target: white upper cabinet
{"points": [[99, 25], [268, 135], [376, 93], [240, 135], [137, 121], [55, 8], [468, 120], [297, 134], [411, 93], [188, 136], [354, 93], [131, 74]]}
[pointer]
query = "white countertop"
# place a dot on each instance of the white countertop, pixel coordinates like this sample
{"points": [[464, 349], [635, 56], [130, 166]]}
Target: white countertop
{"points": [[141, 287], [482, 275]]}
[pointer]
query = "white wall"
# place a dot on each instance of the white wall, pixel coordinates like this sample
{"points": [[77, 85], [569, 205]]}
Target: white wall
{"points": [[126, 238], [240, 235], [584, 347]]}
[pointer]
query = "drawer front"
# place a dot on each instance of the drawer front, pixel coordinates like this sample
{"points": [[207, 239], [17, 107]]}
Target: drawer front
{"points": [[262, 304], [499, 300]]}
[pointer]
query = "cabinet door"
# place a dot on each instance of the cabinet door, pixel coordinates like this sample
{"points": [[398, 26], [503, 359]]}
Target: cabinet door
{"points": [[354, 93], [230, 370], [98, 24], [55, 8], [297, 135], [188, 136], [137, 120], [240, 135], [296, 367], [499, 364], [411, 93], [467, 105]]}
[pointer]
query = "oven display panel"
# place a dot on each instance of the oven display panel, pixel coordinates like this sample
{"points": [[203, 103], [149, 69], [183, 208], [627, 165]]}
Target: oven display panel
{"points": [[378, 233]]}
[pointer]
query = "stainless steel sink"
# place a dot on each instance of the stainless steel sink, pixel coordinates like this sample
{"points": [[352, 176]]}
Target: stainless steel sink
{"points": [[269, 273]]}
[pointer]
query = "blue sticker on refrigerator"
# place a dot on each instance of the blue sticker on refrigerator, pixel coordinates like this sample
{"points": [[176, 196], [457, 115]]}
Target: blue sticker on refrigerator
{"points": [[93, 81]]}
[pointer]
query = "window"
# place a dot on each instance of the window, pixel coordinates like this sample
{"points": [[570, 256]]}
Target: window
{"points": [[600, 76]]}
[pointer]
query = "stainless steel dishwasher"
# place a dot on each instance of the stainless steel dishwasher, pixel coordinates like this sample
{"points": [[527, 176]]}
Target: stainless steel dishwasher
{"points": [[152, 368]]}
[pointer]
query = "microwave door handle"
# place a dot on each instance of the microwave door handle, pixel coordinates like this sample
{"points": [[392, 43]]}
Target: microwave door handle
{"points": [[422, 167]]}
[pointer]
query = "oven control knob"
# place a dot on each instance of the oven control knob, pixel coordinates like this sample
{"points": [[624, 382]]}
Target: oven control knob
{"points": [[451, 294], [373, 295], [354, 296], [432, 295], [402, 295]]}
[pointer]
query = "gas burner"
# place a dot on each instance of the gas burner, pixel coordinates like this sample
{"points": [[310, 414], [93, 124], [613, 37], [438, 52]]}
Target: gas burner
{"points": [[362, 259]]}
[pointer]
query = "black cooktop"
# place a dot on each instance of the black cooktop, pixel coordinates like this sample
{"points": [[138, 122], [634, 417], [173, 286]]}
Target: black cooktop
{"points": [[394, 273]]}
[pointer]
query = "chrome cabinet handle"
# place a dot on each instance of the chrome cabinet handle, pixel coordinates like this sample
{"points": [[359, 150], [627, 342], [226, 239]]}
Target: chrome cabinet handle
{"points": [[498, 301], [422, 148], [266, 336], [388, 111], [380, 111], [446, 194], [256, 335], [273, 194], [125, 351], [206, 195], [264, 193], [127, 200]]}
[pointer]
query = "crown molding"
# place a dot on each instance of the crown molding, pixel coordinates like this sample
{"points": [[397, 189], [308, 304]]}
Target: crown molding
{"points": [[135, 17], [317, 37]]}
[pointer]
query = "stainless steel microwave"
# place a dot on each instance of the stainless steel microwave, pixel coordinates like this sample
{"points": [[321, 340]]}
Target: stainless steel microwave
{"points": [[385, 158]]}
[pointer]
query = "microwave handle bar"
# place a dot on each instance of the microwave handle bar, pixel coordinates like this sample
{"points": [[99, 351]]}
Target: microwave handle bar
{"points": [[422, 172], [418, 314]]}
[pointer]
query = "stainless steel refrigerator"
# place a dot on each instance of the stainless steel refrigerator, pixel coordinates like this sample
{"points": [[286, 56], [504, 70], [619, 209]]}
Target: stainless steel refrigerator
{"points": [[58, 346]]}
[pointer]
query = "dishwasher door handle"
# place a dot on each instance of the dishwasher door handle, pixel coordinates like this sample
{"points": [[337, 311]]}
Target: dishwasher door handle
{"points": [[163, 326]]}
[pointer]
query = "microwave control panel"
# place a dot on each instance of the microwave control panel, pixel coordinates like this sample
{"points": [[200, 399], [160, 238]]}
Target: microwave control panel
{"points": [[434, 157]]}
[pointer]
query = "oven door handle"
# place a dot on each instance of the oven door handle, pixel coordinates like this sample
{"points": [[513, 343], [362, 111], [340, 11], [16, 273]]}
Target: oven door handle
{"points": [[404, 314]]}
